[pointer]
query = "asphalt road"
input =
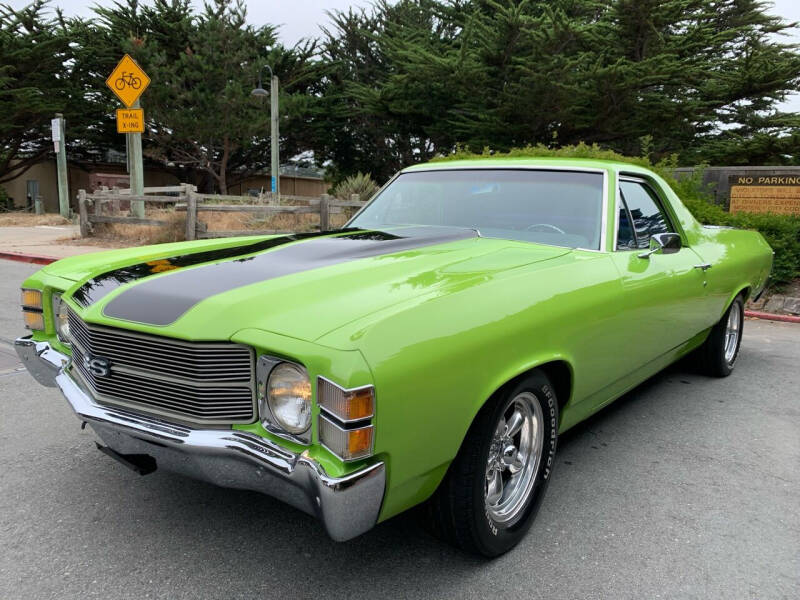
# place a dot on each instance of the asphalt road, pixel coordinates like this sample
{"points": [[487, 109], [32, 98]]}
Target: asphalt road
{"points": [[685, 488]]}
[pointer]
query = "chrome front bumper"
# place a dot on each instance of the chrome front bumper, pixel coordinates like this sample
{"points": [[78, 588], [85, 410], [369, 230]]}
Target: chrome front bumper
{"points": [[348, 506], [42, 362]]}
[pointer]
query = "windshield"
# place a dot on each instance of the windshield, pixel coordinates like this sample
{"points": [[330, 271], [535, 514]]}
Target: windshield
{"points": [[559, 208]]}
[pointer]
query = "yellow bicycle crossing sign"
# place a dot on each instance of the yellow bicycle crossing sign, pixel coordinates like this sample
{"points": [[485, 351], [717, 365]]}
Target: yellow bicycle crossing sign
{"points": [[128, 81]]}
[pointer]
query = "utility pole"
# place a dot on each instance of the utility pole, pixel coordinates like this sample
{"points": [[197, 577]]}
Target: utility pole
{"points": [[136, 170], [274, 139], [61, 165]]}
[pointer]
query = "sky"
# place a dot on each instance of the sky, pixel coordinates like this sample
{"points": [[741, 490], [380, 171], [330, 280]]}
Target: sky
{"points": [[302, 18]]}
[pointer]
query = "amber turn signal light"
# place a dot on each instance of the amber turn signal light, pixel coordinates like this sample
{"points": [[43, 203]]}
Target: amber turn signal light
{"points": [[359, 441], [346, 405], [32, 299], [33, 320], [347, 444]]}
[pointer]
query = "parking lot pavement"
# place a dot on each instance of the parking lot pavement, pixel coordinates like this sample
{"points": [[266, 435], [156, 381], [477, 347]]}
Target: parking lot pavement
{"points": [[687, 487]]}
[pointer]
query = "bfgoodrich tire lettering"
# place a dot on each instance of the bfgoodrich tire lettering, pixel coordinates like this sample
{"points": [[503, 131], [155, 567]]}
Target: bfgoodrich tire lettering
{"points": [[493, 489]]}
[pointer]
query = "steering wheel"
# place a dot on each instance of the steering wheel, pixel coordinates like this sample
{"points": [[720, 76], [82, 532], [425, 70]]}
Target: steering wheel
{"points": [[547, 226]]}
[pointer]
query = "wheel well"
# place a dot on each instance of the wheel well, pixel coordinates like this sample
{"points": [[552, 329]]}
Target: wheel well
{"points": [[558, 372], [560, 375], [744, 293]]}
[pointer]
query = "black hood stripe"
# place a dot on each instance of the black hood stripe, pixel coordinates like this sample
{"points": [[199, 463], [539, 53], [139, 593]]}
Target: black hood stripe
{"points": [[162, 300], [98, 287]]}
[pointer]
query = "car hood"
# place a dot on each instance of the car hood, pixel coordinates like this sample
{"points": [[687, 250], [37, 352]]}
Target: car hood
{"points": [[302, 286]]}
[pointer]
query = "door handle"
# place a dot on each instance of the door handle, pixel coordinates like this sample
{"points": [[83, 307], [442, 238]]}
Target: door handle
{"points": [[703, 267]]}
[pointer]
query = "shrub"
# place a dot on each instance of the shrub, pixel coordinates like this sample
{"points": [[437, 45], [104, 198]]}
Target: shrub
{"points": [[782, 232], [360, 183], [6, 204]]}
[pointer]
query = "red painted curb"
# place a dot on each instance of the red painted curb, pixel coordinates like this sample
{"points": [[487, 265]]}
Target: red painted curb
{"points": [[28, 258], [771, 316]]}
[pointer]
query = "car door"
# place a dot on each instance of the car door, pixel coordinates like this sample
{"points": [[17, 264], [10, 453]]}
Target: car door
{"points": [[663, 295]]}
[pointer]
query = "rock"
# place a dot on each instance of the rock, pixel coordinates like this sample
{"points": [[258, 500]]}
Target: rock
{"points": [[774, 304], [792, 305]]}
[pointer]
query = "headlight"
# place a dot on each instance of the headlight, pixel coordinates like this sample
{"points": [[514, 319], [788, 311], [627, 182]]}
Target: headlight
{"points": [[60, 318], [288, 397], [32, 307]]}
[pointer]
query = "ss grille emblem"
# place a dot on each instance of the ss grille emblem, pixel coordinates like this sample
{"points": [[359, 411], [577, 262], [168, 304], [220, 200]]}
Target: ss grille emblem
{"points": [[99, 367]]}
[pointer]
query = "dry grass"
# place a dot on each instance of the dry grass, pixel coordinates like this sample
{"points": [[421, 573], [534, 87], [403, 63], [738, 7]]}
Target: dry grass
{"points": [[120, 234], [227, 221], [24, 219]]}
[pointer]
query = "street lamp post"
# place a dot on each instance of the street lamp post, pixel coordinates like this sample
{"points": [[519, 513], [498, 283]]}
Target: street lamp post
{"points": [[275, 182]]}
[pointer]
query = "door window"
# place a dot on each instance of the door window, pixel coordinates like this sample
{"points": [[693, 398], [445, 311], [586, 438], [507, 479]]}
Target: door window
{"points": [[643, 216]]}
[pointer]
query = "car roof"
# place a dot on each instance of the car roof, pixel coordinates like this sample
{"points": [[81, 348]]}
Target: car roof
{"points": [[504, 162]]}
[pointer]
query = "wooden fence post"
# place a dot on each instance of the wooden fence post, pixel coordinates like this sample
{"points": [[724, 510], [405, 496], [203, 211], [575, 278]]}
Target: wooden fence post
{"points": [[115, 205], [355, 198], [324, 215], [191, 215], [83, 213]]}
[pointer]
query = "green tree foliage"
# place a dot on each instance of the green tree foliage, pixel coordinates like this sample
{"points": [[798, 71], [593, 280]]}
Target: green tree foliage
{"points": [[100, 42], [35, 83], [376, 112], [407, 80], [204, 113], [700, 77], [199, 112]]}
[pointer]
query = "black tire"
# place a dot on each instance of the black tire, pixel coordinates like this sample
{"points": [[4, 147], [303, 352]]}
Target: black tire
{"points": [[711, 356], [459, 510]]}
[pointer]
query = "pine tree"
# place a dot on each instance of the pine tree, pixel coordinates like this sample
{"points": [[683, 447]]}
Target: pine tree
{"points": [[35, 83], [701, 78]]}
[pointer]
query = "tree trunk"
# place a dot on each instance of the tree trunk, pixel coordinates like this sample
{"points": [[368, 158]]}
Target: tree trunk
{"points": [[223, 185], [223, 166]]}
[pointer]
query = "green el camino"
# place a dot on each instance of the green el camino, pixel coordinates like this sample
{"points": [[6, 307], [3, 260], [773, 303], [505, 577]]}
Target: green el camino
{"points": [[431, 351]]}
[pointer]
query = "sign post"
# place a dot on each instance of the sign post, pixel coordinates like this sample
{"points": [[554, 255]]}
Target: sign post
{"points": [[136, 171], [274, 140], [59, 142], [128, 81]]}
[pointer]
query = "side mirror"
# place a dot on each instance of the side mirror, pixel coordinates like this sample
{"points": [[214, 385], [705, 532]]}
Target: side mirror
{"points": [[663, 243]]}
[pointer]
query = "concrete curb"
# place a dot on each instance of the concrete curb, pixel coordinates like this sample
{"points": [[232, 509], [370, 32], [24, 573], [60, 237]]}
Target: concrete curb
{"points": [[771, 316], [28, 258]]}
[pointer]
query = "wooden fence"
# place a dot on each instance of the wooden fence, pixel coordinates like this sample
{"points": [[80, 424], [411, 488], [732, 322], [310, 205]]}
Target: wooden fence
{"points": [[109, 205]]}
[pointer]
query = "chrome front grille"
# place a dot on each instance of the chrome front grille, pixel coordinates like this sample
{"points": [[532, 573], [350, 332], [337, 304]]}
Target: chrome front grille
{"points": [[199, 382]]}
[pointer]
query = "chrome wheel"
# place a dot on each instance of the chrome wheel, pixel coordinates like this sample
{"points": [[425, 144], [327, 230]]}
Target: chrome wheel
{"points": [[514, 455], [732, 331]]}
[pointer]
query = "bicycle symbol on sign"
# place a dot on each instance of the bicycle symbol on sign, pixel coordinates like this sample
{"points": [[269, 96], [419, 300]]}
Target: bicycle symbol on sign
{"points": [[127, 79]]}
